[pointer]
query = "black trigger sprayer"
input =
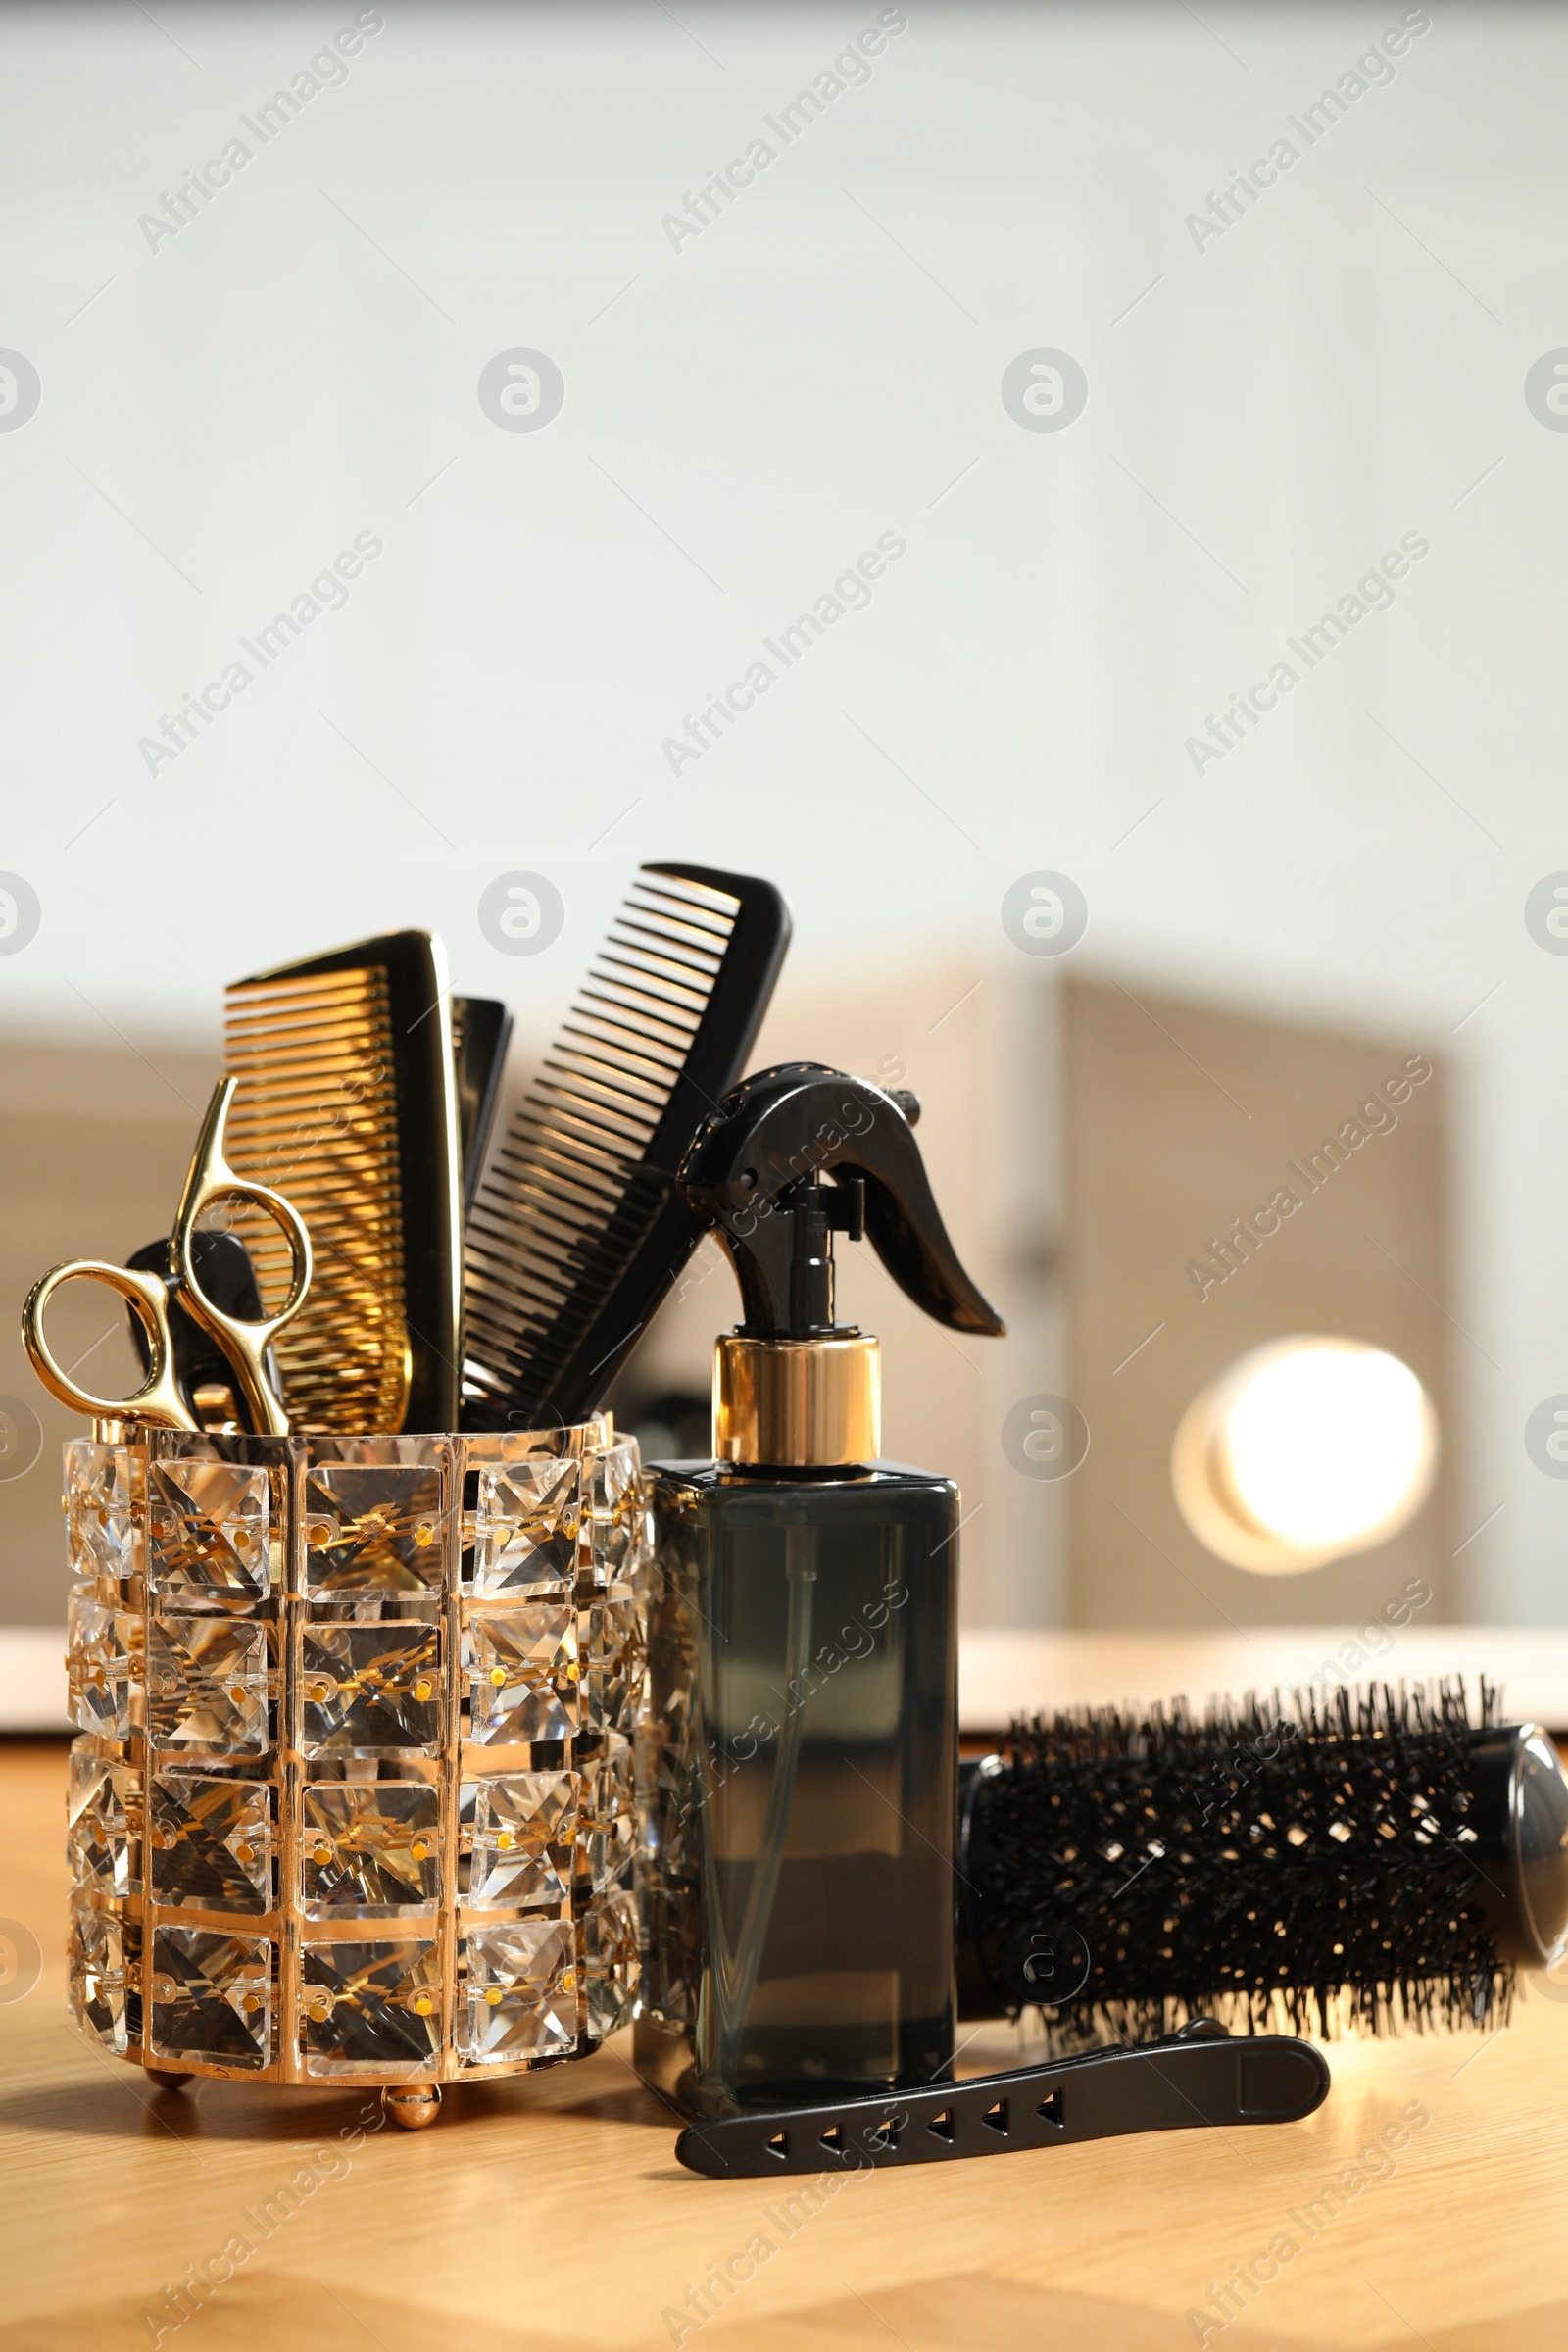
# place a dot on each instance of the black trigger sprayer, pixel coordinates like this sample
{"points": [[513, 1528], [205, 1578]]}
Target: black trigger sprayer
{"points": [[798, 1987], [803, 1637]]}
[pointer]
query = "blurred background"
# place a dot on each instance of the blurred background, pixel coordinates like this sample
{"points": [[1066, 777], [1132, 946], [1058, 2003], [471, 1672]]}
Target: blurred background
{"points": [[1173, 802]]}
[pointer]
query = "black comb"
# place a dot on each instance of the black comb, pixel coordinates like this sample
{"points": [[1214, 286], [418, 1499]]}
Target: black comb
{"points": [[481, 1031], [579, 1229]]}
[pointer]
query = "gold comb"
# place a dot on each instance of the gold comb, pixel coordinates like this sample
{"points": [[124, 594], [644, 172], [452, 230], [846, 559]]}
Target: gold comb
{"points": [[346, 1101]]}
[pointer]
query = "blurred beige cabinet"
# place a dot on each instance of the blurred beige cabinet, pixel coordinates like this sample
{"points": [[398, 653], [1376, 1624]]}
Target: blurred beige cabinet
{"points": [[93, 1150], [1181, 1124]]}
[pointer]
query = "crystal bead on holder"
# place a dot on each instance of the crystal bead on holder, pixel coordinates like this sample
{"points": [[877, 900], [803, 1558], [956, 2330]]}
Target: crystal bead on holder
{"points": [[351, 1794]]}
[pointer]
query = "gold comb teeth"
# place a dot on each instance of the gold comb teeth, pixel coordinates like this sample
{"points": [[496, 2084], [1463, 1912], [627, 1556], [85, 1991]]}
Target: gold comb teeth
{"points": [[316, 1115]]}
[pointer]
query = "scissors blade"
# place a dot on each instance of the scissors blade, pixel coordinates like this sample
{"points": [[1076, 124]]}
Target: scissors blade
{"points": [[245, 1341], [224, 1268]]}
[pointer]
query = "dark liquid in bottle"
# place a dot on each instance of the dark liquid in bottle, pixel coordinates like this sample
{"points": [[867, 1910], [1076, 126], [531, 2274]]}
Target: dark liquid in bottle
{"points": [[799, 1786]]}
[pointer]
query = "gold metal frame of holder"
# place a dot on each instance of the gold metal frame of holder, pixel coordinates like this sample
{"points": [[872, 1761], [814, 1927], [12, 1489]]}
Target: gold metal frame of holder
{"points": [[483, 1598]]}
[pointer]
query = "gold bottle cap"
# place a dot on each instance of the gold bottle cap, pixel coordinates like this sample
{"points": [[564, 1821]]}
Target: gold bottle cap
{"points": [[797, 1403]]}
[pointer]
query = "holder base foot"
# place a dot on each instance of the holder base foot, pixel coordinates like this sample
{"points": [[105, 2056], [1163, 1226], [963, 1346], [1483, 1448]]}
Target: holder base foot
{"points": [[414, 2107]]}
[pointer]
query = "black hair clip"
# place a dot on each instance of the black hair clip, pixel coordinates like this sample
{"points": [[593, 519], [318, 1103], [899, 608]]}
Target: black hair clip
{"points": [[1199, 2078]]}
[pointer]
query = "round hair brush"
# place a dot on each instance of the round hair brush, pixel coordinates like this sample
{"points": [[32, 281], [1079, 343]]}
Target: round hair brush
{"points": [[1365, 1857]]}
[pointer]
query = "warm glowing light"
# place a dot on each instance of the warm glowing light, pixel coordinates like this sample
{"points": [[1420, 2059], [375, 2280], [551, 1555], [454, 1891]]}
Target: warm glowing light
{"points": [[1304, 1451]]}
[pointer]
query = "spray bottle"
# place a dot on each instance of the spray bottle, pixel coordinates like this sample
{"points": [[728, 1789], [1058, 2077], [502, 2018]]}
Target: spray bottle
{"points": [[798, 1768]]}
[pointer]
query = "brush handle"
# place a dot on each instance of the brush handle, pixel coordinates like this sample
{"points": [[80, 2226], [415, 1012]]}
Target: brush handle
{"points": [[1198, 2079], [1522, 1846]]}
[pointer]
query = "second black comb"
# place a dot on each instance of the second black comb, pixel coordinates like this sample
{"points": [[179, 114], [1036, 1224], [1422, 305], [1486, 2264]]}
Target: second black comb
{"points": [[579, 1230]]}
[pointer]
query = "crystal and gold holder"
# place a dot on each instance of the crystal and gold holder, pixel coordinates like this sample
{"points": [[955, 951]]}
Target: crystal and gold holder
{"points": [[352, 1794]]}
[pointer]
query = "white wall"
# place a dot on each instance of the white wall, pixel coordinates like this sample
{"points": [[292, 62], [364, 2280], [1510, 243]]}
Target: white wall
{"points": [[816, 367]]}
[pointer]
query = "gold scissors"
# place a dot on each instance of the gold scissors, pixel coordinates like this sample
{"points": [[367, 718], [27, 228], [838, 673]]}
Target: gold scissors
{"points": [[244, 1339]]}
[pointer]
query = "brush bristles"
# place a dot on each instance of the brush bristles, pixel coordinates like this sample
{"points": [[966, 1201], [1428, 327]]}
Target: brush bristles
{"points": [[316, 1118], [567, 1200], [1299, 1867]]}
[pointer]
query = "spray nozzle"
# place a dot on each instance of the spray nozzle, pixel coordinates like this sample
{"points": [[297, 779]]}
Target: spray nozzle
{"points": [[756, 1171]]}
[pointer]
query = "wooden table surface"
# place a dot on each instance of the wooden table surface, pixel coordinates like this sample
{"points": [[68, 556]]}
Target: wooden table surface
{"points": [[550, 2216]]}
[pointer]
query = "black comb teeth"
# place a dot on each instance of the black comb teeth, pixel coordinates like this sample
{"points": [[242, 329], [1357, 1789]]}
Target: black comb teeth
{"points": [[578, 1231]]}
